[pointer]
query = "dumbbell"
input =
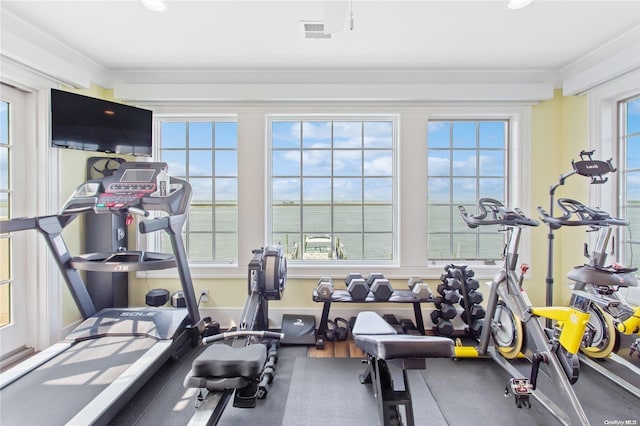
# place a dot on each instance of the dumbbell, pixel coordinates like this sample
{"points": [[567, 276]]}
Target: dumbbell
{"points": [[475, 312], [421, 290], [472, 284], [325, 289], [476, 327], [379, 286], [444, 327], [473, 297], [356, 286], [450, 296]]}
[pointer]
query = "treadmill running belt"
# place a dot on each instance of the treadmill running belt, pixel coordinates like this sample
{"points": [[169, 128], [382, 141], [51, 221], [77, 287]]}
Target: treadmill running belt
{"points": [[54, 392]]}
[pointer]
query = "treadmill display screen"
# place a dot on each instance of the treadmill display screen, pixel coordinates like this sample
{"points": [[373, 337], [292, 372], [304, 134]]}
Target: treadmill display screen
{"points": [[137, 175]]}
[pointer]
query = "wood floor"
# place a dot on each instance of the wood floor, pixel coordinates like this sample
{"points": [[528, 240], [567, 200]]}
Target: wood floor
{"points": [[344, 349]]}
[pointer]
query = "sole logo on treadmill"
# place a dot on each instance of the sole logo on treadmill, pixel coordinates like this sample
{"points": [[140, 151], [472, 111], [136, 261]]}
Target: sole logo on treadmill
{"points": [[138, 314]]}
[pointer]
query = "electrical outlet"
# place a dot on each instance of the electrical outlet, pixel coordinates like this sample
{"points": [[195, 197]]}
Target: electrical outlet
{"points": [[204, 295]]}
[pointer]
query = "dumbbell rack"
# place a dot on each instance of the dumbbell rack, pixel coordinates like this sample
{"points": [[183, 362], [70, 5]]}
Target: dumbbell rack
{"points": [[343, 296]]}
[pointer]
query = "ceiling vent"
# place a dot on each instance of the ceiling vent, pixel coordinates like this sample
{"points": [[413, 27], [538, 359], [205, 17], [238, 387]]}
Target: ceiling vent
{"points": [[314, 30]]}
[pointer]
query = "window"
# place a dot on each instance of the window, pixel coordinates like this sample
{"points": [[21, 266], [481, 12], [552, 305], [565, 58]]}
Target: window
{"points": [[629, 163], [332, 195], [205, 153], [466, 161], [6, 278]]}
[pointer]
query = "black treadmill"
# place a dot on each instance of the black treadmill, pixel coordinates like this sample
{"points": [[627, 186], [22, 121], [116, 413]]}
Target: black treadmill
{"points": [[87, 378]]}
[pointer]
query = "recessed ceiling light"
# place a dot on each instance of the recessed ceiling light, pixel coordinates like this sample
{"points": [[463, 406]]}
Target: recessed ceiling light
{"points": [[518, 4], [155, 5]]}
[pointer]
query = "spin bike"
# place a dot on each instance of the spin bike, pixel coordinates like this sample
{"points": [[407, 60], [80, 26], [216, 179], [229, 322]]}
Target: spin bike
{"points": [[241, 368], [599, 283], [516, 329]]}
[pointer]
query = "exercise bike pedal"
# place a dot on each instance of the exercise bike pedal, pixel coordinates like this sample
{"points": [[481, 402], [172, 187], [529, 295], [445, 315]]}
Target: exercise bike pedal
{"points": [[521, 389]]}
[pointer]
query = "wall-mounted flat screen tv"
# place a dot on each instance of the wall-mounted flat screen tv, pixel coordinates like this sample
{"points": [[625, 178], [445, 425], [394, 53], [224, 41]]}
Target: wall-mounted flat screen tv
{"points": [[90, 124]]}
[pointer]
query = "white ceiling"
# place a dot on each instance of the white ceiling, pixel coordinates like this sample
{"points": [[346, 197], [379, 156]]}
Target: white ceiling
{"points": [[411, 35]]}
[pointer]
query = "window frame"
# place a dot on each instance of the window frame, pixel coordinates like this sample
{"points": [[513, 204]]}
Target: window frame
{"points": [[604, 137], [394, 119], [518, 137], [476, 150]]}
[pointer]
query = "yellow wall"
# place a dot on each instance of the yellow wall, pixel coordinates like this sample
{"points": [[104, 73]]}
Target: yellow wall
{"points": [[559, 133]]}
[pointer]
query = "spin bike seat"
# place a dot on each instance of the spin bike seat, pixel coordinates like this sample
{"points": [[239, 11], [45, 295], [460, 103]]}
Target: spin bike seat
{"points": [[604, 276]]}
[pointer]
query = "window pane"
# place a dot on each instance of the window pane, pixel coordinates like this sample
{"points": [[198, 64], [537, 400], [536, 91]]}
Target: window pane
{"points": [[286, 219], [438, 190], [438, 163], [439, 218], [286, 190], [378, 246], [4, 206], [201, 135], [200, 246], [345, 189], [285, 134], [286, 163], [291, 243], [378, 134], [492, 134], [226, 163], [226, 217], [316, 190], [201, 218], [378, 190], [202, 190], [378, 163], [226, 246], [316, 219], [633, 116], [347, 218], [200, 163], [464, 163], [464, 246], [378, 218], [226, 135], [347, 134], [174, 135], [633, 187], [316, 163], [633, 153], [439, 134], [347, 163], [491, 163], [226, 189], [464, 190], [316, 134], [439, 246], [464, 134], [353, 244]]}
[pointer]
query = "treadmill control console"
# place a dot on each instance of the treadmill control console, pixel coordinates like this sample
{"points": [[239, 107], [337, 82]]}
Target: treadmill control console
{"points": [[143, 185]]}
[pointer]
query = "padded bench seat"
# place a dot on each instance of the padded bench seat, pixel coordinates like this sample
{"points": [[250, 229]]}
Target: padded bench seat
{"points": [[378, 338], [223, 367]]}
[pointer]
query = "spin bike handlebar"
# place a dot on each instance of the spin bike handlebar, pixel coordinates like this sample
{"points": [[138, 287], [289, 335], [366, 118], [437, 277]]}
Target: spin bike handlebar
{"points": [[245, 333], [493, 212], [581, 214]]}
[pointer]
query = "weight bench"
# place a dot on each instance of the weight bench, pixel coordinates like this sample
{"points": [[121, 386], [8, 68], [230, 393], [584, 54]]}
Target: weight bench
{"points": [[389, 356]]}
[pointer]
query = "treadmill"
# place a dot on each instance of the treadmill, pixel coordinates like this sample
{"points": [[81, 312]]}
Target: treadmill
{"points": [[87, 378]]}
